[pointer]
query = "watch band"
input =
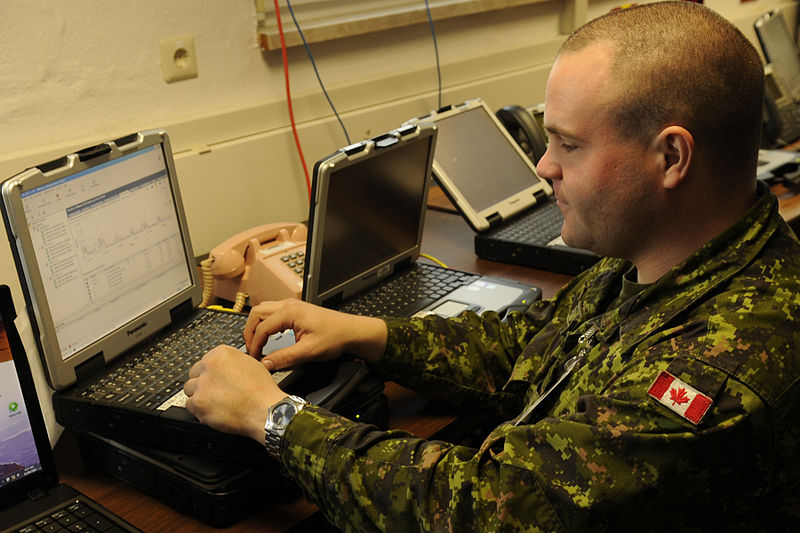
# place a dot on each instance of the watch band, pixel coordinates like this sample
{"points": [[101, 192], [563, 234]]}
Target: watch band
{"points": [[278, 417]]}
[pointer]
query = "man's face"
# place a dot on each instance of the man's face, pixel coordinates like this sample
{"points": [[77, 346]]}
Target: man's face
{"points": [[606, 186]]}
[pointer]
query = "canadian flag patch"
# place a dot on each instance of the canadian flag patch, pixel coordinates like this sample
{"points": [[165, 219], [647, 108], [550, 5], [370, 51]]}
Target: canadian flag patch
{"points": [[687, 401]]}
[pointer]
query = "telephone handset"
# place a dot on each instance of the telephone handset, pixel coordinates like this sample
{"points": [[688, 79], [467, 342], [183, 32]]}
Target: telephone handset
{"points": [[265, 263], [525, 129]]}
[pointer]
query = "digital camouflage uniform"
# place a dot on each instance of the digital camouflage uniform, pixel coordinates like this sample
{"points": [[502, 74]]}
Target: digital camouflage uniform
{"points": [[599, 453]]}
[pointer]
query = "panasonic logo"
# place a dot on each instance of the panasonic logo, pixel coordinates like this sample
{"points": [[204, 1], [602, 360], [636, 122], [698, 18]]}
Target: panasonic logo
{"points": [[137, 328]]}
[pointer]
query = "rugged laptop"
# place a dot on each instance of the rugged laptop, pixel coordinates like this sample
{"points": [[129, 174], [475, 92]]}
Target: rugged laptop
{"points": [[365, 233], [103, 253], [31, 498], [494, 186]]}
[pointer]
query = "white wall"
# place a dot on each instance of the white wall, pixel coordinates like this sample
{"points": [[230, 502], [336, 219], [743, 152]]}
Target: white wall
{"points": [[76, 72]]}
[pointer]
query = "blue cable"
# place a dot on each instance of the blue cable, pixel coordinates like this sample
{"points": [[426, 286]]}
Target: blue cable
{"points": [[314, 64], [436, 50]]}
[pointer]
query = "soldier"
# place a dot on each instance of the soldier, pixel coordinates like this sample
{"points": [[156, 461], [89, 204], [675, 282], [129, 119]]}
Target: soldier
{"points": [[657, 389]]}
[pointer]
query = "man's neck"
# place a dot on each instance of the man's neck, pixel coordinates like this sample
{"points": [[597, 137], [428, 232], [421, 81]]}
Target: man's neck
{"points": [[687, 234]]}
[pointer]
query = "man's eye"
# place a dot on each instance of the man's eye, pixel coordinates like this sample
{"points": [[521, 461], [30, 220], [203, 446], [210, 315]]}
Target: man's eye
{"points": [[568, 147]]}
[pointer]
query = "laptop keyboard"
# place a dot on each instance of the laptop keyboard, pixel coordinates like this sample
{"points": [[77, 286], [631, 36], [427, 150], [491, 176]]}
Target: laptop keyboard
{"points": [[538, 227], [76, 516], [408, 292], [155, 375]]}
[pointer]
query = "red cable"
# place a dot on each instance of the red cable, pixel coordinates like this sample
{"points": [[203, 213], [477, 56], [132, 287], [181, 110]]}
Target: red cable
{"points": [[289, 97]]}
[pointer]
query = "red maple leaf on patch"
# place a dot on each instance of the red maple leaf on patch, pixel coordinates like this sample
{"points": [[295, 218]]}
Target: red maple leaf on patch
{"points": [[678, 396]]}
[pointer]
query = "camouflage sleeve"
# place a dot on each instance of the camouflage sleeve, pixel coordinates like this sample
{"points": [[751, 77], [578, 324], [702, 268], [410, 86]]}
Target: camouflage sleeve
{"points": [[367, 480], [466, 359], [608, 466]]}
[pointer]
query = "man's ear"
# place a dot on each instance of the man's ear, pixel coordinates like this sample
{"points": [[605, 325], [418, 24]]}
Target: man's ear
{"points": [[676, 146]]}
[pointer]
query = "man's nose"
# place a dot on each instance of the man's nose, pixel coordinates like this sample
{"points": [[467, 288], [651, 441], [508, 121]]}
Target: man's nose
{"points": [[547, 167]]}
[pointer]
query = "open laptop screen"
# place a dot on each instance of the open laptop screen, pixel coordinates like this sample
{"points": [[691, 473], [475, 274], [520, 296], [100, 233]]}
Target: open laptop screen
{"points": [[480, 159], [108, 245], [373, 210], [19, 458], [480, 166], [18, 455], [102, 248]]}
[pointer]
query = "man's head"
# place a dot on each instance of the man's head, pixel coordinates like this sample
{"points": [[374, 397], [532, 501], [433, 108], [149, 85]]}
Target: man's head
{"points": [[681, 63], [649, 109]]}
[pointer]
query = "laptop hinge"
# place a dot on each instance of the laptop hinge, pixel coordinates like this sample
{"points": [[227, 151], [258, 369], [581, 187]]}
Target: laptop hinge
{"points": [[494, 220], [90, 367], [540, 197], [400, 266], [333, 301], [36, 494], [181, 310]]}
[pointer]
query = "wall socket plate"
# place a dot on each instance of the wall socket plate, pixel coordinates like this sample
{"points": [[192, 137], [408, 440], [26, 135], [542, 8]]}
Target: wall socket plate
{"points": [[178, 58]]}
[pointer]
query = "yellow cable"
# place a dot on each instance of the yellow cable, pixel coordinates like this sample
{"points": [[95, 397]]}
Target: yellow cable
{"points": [[238, 305], [216, 307], [426, 256]]}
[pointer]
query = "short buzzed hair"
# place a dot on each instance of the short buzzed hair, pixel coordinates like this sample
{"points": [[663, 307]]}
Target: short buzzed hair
{"points": [[679, 63]]}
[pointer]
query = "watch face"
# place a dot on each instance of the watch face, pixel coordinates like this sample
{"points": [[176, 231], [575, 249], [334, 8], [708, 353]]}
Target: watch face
{"points": [[282, 413]]}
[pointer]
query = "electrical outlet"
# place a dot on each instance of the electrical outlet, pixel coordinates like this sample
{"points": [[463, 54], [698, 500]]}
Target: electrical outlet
{"points": [[178, 58]]}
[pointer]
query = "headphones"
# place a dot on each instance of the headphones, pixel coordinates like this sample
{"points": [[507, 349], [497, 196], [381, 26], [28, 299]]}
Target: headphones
{"points": [[525, 130]]}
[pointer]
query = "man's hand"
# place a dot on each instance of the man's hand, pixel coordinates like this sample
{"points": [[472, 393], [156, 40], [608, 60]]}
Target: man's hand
{"points": [[320, 334], [231, 392]]}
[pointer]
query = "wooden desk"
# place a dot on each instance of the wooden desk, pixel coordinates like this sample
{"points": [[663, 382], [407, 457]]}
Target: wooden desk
{"points": [[447, 237]]}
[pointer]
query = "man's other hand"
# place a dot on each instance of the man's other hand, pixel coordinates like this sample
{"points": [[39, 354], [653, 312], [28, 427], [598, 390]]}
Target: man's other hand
{"points": [[321, 334]]}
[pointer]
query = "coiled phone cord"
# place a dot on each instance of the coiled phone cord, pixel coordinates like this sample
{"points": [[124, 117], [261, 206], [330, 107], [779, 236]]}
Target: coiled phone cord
{"points": [[208, 281], [208, 290]]}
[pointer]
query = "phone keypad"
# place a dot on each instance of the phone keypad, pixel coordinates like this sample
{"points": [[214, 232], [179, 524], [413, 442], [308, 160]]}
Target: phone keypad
{"points": [[296, 261]]}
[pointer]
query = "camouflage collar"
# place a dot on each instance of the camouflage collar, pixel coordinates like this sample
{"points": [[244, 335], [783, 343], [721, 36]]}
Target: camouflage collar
{"points": [[713, 264]]}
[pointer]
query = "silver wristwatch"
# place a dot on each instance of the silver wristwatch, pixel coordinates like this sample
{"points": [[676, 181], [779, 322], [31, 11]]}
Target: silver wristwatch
{"points": [[278, 417]]}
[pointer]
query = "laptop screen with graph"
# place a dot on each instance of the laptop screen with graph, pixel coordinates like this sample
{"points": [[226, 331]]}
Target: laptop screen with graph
{"points": [[103, 249], [90, 260]]}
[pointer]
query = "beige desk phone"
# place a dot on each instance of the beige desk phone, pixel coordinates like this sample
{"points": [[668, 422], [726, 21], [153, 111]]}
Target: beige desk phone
{"points": [[265, 262]]}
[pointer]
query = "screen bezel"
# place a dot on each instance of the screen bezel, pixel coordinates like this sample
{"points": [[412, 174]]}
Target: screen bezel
{"points": [[516, 201], [47, 476], [62, 373], [346, 157]]}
